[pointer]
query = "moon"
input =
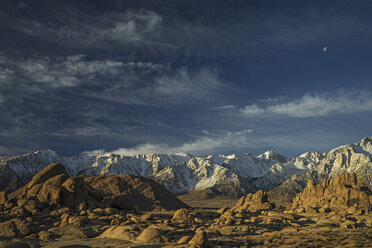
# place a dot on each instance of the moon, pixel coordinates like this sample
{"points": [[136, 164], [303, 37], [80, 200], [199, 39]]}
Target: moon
{"points": [[325, 49]]}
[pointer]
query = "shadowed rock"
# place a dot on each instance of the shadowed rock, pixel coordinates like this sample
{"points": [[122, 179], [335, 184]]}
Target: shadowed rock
{"points": [[13, 228]]}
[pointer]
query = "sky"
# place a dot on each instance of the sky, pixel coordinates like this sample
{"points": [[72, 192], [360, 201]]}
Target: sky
{"points": [[203, 77]]}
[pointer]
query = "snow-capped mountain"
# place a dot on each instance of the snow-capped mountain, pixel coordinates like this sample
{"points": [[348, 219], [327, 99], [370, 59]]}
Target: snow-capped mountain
{"points": [[183, 172], [355, 158]]}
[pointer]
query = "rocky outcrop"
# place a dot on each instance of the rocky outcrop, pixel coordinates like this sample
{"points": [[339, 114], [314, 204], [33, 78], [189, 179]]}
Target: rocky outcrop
{"points": [[343, 194], [53, 188], [251, 203], [254, 202]]}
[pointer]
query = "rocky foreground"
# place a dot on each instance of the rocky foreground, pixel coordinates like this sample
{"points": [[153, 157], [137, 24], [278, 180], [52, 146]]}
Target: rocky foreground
{"points": [[55, 210]]}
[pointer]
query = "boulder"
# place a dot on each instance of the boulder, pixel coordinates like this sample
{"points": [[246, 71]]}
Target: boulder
{"points": [[151, 235], [50, 190], [181, 216], [119, 232], [200, 238]]}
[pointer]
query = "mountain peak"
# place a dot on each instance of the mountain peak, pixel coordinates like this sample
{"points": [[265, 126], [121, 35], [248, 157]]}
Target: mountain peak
{"points": [[273, 155], [182, 172]]}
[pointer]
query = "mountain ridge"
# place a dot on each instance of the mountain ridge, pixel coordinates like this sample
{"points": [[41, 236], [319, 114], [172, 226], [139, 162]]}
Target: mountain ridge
{"points": [[184, 172]]}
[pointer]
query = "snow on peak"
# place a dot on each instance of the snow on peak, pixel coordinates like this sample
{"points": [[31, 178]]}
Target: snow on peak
{"points": [[273, 156], [45, 152], [313, 156], [366, 145], [366, 141], [182, 172]]}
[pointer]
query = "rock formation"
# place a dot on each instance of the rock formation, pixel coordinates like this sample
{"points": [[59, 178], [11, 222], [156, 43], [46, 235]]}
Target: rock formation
{"points": [[119, 191], [254, 202], [52, 187], [343, 194], [46, 212]]}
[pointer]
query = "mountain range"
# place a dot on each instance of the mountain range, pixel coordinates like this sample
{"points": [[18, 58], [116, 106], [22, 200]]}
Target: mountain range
{"points": [[180, 173]]}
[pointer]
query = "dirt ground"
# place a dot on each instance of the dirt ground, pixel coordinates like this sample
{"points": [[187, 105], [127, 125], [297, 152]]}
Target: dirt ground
{"points": [[213, 203]]}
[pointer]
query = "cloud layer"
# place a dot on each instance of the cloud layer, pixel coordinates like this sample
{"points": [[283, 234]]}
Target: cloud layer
{"points": [[76, 29], [130, 82], [313, 105], [210, 143]]}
